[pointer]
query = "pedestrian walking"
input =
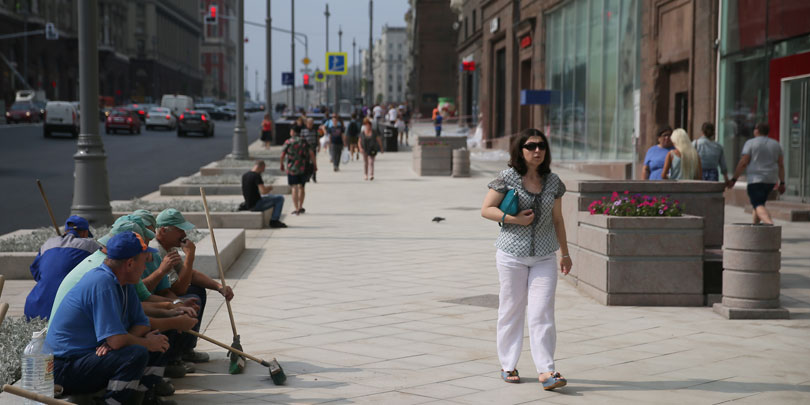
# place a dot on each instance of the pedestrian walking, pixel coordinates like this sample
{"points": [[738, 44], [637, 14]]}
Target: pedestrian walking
{"points": [[310, 134], [657, 155], [437, 121], [525, 258], [267, 131], [257, 195], [336, 140], [406, 116], [353, 135], [764, 165], [711, 154], [369, 144], [682, 163], [401, 128], [296, 158], [392, 114]]}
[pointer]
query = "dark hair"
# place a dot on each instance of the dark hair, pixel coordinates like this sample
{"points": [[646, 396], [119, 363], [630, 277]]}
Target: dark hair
{"points": [[662, 129], [354, 115], [708, 129], [366, 120], [516, 160], [763, 128]]}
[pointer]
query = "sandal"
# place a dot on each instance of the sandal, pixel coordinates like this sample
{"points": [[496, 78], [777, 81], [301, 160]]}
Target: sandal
{"points": [[555, 381], [509, 376]]}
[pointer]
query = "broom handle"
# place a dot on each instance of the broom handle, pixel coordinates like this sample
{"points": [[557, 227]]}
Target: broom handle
{"points": [[48, 206], [224, 346], [216, 254], [3, 310], [33, 395]]}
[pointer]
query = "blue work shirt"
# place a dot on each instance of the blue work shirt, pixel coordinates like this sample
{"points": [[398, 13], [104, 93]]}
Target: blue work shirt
{"points": [[96, 308], [55, 259], [655, 158]]}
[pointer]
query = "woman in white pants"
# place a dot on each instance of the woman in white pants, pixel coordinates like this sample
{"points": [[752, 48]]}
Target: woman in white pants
{"points": [[526, 259]]}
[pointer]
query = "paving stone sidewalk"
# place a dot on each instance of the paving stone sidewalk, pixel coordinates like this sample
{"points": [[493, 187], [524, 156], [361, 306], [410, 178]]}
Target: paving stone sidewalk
{"points": [[365, 300]]}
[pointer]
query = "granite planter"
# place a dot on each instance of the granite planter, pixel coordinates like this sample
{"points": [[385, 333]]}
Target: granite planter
{"points": [[651, 261]]}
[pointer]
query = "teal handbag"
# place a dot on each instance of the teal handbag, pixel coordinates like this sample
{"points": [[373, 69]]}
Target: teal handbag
{"points": [[509, 205]]}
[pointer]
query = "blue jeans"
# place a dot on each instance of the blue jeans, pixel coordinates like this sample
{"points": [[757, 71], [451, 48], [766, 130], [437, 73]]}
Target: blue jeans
{"points": [[123, 371], [274, 201], [710, 174]]}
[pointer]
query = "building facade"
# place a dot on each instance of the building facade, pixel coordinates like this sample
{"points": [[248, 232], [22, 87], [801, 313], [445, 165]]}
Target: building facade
{"points": [[390, 75], [432, 38], [218, 53], [470, 54], [146, 48]]}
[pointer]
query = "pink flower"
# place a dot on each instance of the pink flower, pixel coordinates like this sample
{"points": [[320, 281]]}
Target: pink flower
{"points": [[627, 191]]}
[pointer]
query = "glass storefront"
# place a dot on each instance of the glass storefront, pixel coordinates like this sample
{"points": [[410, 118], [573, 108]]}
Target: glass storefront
{"points": [[592, 49], [754, 32]]}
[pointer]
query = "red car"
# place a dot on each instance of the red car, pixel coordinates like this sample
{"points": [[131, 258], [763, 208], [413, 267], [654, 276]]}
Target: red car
{"points": [[123, 120], [23, 111]]}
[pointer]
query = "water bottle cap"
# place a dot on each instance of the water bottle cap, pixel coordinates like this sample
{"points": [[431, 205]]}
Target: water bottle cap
{"points": [[40, 333]]}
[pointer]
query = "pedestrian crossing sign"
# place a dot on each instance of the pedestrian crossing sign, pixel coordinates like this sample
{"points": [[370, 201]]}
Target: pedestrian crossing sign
{"points": [[336, 63]]}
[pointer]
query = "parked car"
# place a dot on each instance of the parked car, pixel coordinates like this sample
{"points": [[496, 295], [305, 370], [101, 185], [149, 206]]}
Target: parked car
{"points": [[177, 103], [122, 119], [231, 109], [61, 116], [195, 121], [23, 111], [223, 113], [160, 117]]}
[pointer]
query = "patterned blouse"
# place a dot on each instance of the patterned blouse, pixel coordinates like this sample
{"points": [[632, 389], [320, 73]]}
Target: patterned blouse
{"points": [[539, 238]]}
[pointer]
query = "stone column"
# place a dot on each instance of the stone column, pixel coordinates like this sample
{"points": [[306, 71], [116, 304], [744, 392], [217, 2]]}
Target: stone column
{"points": [[461, 163], [751, 262]]}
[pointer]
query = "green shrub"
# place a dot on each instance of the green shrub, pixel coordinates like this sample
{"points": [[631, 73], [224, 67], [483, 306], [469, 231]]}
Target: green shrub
{"points": [[15, 333]]}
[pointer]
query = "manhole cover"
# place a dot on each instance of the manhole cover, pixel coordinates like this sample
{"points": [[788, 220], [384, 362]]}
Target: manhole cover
{"points": [[486, 301]]}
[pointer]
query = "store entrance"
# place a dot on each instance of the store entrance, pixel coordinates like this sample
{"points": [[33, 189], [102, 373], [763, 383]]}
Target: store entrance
{"points": [[795, 136]]}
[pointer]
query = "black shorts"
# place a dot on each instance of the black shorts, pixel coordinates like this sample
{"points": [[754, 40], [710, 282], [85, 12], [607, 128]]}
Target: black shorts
{"points": [[758, 193], [296, 179]]}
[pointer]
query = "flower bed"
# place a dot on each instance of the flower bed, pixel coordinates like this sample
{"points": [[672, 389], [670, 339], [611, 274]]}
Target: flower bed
{"points": [[180, 205], [637, 205], [222, 179]]}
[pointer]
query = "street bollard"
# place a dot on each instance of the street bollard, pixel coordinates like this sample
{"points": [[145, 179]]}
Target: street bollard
{"points": [[461, 163], [751, 262]]}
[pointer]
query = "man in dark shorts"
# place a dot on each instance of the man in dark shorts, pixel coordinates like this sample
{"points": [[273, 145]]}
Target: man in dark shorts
{"points": [[258, 197], [764, 166], [297, 158]]}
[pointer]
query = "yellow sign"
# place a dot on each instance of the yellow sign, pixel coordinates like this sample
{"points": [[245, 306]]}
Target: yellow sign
{"points": [[320, 76], [336, 63], [305, 61]]}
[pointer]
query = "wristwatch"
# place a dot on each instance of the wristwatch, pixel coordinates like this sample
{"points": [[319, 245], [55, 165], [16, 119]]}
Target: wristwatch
{"points": [[177, 301]]}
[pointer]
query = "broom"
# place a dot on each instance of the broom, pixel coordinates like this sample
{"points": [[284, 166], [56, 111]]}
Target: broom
{"points": [[276, 372], [237, 362]]}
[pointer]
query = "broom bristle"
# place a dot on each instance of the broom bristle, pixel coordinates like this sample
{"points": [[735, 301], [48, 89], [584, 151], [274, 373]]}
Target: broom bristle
{"points": [[237, 362], [277, 373]]}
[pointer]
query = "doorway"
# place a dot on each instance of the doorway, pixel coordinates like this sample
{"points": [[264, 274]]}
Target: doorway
{"points": [[500, 93], [795, 136]]}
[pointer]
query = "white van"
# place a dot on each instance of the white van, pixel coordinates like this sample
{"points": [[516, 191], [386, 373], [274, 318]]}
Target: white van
{"points": [[177, 103], [61, 116]]}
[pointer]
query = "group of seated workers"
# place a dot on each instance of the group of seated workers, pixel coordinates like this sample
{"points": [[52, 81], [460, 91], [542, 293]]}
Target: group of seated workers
{"points": [[117, 308]]}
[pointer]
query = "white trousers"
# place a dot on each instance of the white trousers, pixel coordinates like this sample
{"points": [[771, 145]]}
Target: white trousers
{"points": [[526, 281]]}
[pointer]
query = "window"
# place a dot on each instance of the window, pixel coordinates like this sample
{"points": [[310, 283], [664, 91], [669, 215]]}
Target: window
{"points": [[474, 26]]}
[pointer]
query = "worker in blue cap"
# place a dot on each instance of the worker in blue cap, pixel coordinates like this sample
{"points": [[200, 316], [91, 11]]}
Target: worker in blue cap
{"points": [[100, 335], [55, 259]]}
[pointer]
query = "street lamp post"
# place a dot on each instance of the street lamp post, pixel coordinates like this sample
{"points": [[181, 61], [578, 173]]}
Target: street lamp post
{"points": [[338, 79], [268, 95], [326, 83], [370, 82], [354, 70], [292, 49], [240, 147], [91, 190]]}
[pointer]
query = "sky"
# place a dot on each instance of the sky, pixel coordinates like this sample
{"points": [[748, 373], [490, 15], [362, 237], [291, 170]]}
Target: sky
{"points": [[352, 15]]}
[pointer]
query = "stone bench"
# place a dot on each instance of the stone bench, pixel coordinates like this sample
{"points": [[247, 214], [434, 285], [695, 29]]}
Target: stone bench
{"points": [[177, 187], [231, 244]]}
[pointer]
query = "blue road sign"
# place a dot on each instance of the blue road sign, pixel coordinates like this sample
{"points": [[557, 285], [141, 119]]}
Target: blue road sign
{"points": [[287, 79], [336, 63]]}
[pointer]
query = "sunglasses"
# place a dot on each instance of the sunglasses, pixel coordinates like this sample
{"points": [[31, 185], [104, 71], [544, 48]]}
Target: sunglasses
{"points": [[532, 146]]}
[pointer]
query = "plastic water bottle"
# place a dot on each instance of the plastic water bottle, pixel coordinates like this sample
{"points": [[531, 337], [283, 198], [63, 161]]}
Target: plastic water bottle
{"points": [[37, 367]]}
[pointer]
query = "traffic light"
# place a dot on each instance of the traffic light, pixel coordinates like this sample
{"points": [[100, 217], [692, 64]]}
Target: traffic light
{"points": [[211, 17], [306, 79]]}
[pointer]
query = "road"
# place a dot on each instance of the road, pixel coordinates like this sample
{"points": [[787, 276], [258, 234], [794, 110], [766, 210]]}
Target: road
{"points": [[136, 165]]}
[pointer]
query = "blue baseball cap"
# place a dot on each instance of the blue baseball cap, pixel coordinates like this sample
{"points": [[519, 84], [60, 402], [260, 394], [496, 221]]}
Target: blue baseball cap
{"points": [[76, 223], [126, 245]]}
